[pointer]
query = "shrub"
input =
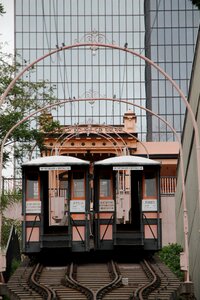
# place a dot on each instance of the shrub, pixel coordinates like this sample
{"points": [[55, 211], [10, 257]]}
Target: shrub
{"points": [[170, 255]]}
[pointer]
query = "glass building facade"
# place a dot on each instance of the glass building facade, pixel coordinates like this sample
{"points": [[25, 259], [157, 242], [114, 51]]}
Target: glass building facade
{"points": [[171, 33], [163, 30]]}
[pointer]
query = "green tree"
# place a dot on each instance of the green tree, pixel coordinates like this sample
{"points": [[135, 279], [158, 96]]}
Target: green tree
{"points": [[25, 97], [1, 9], [196, 3]]}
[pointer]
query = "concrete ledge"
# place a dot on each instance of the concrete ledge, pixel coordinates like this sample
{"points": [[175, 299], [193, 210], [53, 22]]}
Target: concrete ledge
{"points": [[187, 289]]}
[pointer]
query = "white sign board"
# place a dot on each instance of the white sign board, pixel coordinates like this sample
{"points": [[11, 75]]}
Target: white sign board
{"points": [[136, 168], [149, 205], [33, 207], [55, 168], [77, 205], [106, 205]]}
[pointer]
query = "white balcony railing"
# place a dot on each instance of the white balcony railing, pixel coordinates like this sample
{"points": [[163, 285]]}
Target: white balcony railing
{"points": [[168, 185]]}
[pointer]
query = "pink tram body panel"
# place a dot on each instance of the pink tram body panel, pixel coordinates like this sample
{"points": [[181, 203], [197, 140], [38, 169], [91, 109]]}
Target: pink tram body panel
{"points": [[67, 204]]}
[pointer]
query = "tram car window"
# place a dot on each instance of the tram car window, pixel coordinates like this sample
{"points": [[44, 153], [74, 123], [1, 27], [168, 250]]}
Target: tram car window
{"points": [[32, 186], [78, 185], [150, 186], [105, 186]]}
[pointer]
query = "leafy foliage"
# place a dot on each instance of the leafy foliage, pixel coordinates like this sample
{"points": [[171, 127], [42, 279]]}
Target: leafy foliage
{"points": [[14, 266], [25, 97], [9, 198], [1, 9], [170, 255], [6, 227], [196, 3]]}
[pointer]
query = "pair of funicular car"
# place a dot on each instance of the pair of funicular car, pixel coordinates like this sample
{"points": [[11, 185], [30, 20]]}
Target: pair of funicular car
{"points": [[71, 204]]}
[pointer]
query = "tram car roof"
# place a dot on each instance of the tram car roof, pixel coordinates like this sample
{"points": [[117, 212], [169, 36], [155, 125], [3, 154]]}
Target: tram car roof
{"points": [[58, 160], [127, 160]]}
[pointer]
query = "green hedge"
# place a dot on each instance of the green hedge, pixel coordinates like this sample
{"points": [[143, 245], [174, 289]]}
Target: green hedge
{"points": [[170, 255]]}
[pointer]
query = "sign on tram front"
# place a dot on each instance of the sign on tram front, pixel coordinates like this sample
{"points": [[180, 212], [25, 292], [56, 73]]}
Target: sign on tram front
{"points": [[136, 168], [55, 168], [106, 205]]}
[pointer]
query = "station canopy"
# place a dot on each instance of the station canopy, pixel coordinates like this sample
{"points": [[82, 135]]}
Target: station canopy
{"points": [[127, 160]]}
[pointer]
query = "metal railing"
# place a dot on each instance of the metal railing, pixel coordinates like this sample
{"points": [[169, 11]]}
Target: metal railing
{"points": [[11, 184], [168, 185]]}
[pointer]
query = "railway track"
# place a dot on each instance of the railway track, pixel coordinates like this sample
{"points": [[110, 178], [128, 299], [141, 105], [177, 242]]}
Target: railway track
{"points": [[94, 281]]}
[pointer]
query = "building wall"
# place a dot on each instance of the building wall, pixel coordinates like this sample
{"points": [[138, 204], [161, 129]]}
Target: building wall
{"points": [[191, 182], [168, 220]]}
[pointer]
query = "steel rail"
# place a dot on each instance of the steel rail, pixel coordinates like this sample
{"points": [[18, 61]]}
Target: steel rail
{"points": [[149, 286], [89, 293], [35, 285], [114, 283]]}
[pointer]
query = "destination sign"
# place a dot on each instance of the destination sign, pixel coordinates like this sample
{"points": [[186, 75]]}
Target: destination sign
{"points": [[106, 205], [77, 206], [136, 168], [149, 205], [33, 207], [54, 168]]}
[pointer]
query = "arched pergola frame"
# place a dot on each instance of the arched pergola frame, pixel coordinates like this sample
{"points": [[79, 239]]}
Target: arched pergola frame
{"points": [[185, 213], [149, 61]]}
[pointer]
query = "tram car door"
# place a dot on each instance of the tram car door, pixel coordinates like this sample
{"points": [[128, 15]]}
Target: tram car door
{"points": [[55, 204], [127, 203], [104, 208]]}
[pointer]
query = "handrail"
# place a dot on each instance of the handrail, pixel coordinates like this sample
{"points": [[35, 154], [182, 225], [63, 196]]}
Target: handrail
{"points": [[149, 226], [34, 221], [107, 227]]}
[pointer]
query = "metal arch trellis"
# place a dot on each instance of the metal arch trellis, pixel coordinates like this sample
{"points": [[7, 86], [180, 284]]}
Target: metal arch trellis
{"points": [[160, 70], [101, 126], [72, 135], [94, 37], [114, 131], [107, 137], [185, 217]]}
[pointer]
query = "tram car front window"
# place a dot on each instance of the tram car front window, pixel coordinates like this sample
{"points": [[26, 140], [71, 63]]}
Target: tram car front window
{"points": [[32, 186], [78, 185], [150, 184]]}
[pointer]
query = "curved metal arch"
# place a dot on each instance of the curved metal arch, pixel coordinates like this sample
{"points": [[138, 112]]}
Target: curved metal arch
{"points": [[100, 125], [99, 134], [116, 47], [106, 126], [185, 217], [74, 134], [194, 122], [123, 130]]}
